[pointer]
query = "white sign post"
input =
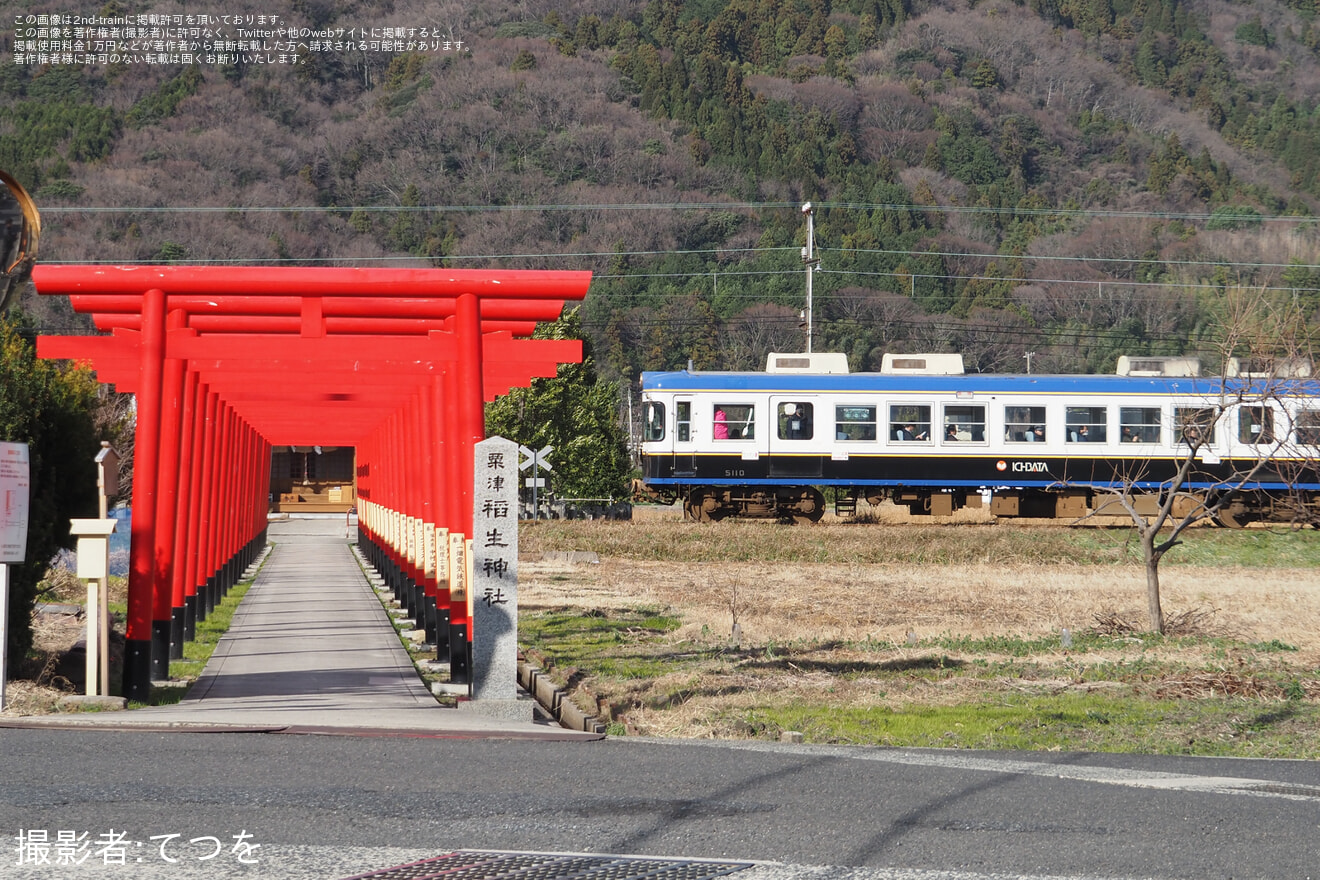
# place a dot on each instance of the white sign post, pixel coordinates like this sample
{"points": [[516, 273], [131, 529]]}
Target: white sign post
{"points": [[4, 630], [535, 460], [15, 486], [98, 583], [94, 567]]}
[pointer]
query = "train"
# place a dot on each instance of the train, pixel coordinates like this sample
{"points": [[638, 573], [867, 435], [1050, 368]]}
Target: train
{"points": [[928, 436]]}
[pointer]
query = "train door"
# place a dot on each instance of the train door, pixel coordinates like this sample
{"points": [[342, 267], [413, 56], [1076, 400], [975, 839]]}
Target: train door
{"points": [[795, 437], [685, 437]]}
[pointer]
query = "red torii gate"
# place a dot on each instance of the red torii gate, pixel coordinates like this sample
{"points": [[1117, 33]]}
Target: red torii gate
{"points": [[227, 362]]}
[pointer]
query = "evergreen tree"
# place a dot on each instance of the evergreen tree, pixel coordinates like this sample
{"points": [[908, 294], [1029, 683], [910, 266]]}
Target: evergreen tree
{"points": [[575, 413], [48, 407]]}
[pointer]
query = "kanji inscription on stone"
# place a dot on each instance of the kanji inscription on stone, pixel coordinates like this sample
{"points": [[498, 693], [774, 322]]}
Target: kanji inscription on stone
{"points": [[494, 587]]}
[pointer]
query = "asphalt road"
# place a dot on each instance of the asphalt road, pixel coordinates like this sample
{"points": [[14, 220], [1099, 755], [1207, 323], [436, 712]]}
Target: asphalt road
{"points": [[336, 806]]}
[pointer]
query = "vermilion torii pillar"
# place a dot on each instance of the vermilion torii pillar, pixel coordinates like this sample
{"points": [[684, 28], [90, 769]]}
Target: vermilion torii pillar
{"points": [[227, 362]]}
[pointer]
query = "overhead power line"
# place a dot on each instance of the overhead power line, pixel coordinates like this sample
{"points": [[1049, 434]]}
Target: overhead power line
{"points": [[1061, 213], [1131, 261], [788, 270], [950, 327], [411, 209]]}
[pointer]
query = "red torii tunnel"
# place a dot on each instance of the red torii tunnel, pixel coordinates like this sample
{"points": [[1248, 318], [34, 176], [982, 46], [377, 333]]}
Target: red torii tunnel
{"points": [[228, 362]]}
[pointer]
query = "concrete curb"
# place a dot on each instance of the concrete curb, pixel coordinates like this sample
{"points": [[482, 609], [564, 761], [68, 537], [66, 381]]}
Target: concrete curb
{"points": [[555, 701]]}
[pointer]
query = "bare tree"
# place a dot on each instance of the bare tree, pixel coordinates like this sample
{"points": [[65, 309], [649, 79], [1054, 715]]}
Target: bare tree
{"points": [[991, 340], [894, 122], [1176, 509], [755, 332], [1255, 388]]}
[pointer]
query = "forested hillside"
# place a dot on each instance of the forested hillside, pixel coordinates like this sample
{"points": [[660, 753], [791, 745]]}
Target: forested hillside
{"points": [[1074, 178]]}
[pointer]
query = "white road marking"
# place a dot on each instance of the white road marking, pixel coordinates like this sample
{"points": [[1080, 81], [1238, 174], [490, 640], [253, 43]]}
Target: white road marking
{"points": [[1230, 785]]}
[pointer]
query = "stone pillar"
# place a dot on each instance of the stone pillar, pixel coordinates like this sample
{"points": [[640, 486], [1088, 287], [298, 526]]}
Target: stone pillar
{"points": [[494, 587]]}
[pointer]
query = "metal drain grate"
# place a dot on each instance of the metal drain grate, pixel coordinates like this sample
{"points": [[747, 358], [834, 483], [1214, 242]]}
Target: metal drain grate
{"points": [[470, 865]]}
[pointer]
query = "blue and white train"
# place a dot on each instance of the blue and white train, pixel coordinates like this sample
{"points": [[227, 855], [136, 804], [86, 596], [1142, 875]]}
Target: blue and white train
{"points": [[934, 440]]}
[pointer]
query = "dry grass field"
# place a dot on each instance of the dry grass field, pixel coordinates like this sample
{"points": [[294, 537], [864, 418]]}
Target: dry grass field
{"points": [[975, 634], [907, 618], [831, 603]]}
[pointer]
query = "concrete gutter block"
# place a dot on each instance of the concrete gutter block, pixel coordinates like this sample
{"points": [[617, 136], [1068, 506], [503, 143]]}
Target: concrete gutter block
{"points": [[573, 718], [549, 696]]}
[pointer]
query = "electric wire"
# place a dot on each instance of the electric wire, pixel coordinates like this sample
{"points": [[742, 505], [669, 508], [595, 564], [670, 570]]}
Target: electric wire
{"points": [[1062, 213]]}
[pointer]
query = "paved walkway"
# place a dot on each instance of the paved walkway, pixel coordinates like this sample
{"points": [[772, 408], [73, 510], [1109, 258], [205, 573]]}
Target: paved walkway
{"points": [[310, 650]]}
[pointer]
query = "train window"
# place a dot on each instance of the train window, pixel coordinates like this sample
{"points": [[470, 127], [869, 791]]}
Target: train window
{"points": [[1024, 424], [909, 422], [1086, 424], [795, 421], [683, 421], [734, 421], [1308, 427], [964, 423], [1139, 424], [1194, 424], [653, 422], [854, 422], [1256, 424]]}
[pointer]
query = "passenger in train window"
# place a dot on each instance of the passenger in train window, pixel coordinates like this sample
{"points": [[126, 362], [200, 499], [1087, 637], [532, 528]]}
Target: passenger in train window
{"points": [[1083, 433], [909, 432], [951, 432], [1128, 437], [1036, 434], [721, 431], [795, 421], [801, 427]]}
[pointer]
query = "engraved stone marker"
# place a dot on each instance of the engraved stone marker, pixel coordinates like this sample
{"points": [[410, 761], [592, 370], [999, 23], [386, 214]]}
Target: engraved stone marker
{"points": [[494, 587]]}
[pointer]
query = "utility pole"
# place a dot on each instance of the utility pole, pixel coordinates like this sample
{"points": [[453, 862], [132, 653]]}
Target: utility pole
{"points": [[1029, 355], [809, 258]]}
